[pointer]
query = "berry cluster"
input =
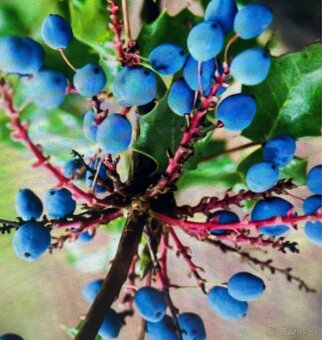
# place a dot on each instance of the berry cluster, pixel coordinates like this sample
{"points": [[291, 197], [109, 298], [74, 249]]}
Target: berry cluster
{"points": [[201, 73]]}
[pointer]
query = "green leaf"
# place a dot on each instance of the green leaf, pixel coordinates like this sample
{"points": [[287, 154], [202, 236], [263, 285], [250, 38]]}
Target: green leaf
{"points": [[289, 101], [160, 131], [166, 29], [73, 331], [296, 169], [89, 20], [204, 148], [116, 226], [221, 172], [145, 262]]}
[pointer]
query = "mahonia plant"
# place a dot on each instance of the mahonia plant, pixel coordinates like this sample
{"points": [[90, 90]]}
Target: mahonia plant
{"points": [[186, 83]]}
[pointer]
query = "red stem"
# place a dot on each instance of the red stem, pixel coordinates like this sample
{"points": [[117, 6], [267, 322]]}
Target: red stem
{"points": [[207, 204], [203, 229], [81, 222], [20, 133], [184, 150], [183, 250]]}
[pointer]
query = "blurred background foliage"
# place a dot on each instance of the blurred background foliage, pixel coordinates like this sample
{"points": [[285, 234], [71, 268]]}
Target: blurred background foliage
{"points": [[38, 298]]}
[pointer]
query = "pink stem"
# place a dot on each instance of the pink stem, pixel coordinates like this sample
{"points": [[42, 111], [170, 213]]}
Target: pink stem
{"points": [[20, 133], [172, 172], [203, 229], [207, 204], [184, 252], [81, 223]]}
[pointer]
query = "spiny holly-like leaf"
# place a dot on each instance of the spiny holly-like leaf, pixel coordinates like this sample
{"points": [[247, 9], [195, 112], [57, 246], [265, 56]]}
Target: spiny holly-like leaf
{"points": [[89, 20], [289, 101], [166, 29], [220, 172], [160, 131], [296, 169]]}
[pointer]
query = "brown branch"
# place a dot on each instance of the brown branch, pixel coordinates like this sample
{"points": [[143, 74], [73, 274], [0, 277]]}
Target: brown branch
{"points": [[229, 151], [118, 272], [183, 251], [268, 264]]}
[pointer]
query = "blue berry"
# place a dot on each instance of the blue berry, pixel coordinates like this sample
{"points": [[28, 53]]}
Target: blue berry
{"points": [[85, 237], [167, 58], [181, 97], [89, 125], [245, 286], [191, 75], [225, 305], [222, 11], [313, 230], [192, 326], [262, 176], [10, 336], [90, 290], [20, 55], [89, 80], [150, 304], [314, 180], [28, 204], [312, 204], [56, 31], [251, 67], [222, 217], [134, 86], [252, 20], [47, 88], [162, 330], [205, 41], [31, 240], [114, 134], [237, 111], [221, 91], [74, 168], [102, 176], [268, 208], [111, 325], [280, 150], [59, 203]]}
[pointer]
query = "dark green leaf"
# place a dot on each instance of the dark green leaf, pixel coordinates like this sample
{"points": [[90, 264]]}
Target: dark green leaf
{"points": [[89, 20], [166, 29], [221, 172], [289, 101], [296, 170], [160, 131]]}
